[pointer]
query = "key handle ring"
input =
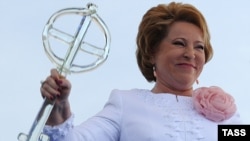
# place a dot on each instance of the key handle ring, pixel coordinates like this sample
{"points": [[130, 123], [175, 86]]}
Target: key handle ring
{"points": [[75, 42]]}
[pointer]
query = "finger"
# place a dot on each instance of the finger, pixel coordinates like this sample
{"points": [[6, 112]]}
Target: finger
{"points": [[63, 83], [49, 92], [54, 74], [50, 86], [51, 82], [46, 94]]}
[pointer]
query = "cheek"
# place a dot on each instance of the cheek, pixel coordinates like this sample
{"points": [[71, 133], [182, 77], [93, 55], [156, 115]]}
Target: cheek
{"points": [[200, 58], [200, 61]]}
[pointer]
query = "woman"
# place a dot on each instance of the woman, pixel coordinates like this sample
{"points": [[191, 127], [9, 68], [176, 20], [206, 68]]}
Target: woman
{"points": [[173, 46]]}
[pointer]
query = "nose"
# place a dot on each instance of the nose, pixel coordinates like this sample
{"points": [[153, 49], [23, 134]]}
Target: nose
{"points": [[189, 53]]}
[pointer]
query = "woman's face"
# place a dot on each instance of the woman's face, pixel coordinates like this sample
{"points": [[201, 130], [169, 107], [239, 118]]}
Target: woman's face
{"points": [[180, 58]]}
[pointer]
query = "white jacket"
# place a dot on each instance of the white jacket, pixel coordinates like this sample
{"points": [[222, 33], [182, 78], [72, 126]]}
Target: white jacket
{"points": [[139, 115]]}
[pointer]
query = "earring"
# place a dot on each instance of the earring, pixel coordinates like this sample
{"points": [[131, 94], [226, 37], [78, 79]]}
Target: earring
{"points": [[154, 68], [197, 81], [154, 71]]}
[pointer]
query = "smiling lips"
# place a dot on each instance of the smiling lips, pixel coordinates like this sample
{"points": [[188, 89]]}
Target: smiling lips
{"points": [[187, 65]]}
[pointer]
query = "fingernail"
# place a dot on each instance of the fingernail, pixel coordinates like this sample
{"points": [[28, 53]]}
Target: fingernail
{"points": [[59, 89], [51, 98], [58, 81]]}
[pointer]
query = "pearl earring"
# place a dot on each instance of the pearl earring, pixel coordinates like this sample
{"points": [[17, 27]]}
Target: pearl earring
{"points": [[197, 81], [154, 71]]}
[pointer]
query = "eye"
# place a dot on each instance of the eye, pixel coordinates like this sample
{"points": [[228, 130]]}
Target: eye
{"points": [[201, 47], [179, 43]]}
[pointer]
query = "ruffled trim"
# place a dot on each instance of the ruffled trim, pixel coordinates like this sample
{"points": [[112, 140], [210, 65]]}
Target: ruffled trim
{"points": [[59, 131]]}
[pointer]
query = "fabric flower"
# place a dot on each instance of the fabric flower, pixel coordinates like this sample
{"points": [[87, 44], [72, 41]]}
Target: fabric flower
{"points": [[214, 103]]}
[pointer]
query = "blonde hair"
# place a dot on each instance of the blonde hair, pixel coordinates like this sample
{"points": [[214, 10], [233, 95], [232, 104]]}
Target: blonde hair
{"points": [[154, 27]]}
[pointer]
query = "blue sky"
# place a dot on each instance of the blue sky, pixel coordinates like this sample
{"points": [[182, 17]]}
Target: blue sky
{"points": [[24, 62]]}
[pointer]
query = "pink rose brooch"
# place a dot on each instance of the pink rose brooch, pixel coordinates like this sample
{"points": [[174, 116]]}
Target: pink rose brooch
{"points": [[214, 103]]}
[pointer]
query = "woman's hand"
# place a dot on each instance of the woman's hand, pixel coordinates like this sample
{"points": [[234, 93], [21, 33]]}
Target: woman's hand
{"points": [[55, 87]]}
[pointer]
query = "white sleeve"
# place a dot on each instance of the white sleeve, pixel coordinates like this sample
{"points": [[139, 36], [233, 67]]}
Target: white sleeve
{"points": [[58, 132]]}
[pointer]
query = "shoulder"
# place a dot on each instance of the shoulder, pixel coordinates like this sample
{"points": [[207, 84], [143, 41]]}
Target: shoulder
{"points": [[129, 91], [121, 100], [130, 95]]}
